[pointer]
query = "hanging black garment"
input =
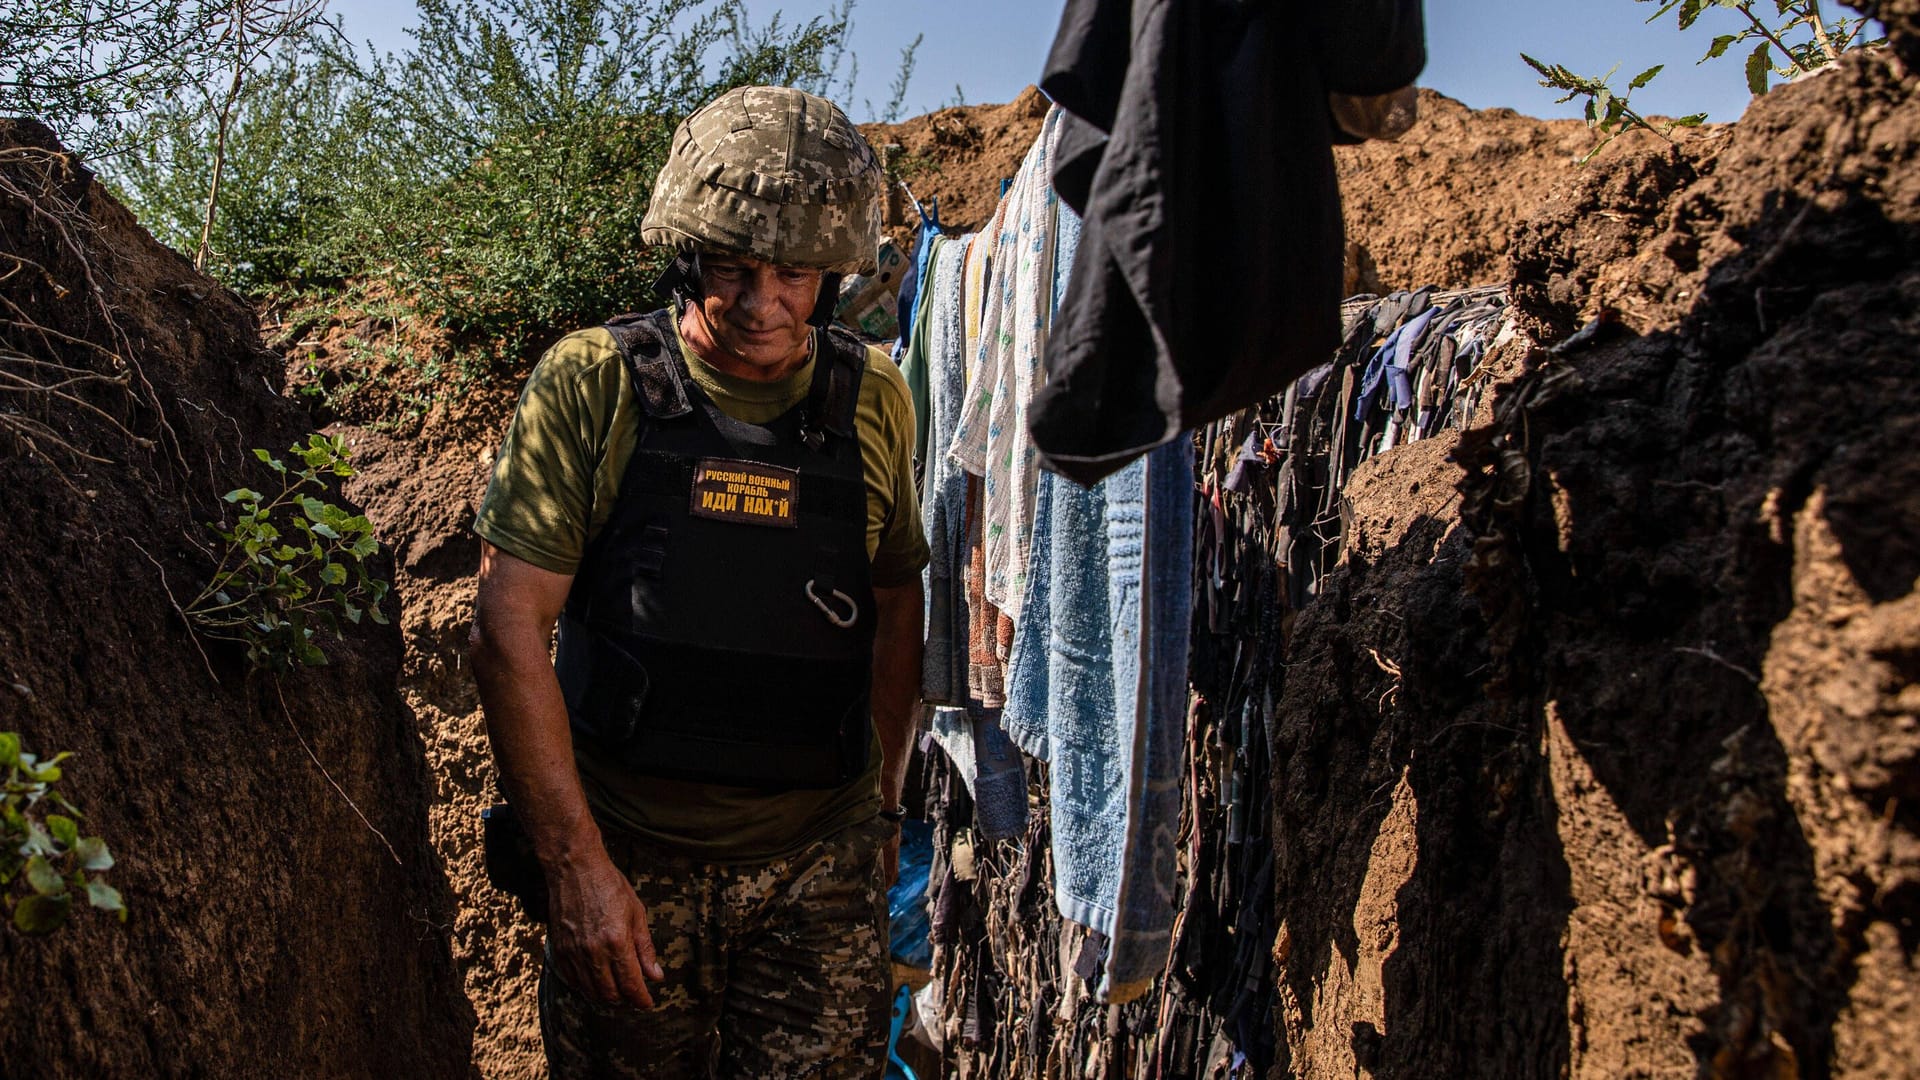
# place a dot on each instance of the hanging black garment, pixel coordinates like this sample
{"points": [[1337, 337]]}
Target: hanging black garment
{"points": [[721, 625], [1199, 154]]}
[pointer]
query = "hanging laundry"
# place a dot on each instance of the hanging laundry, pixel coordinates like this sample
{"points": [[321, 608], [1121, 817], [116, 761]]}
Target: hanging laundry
{"points": [[1199, 150], [937, 350], [992, 441]]}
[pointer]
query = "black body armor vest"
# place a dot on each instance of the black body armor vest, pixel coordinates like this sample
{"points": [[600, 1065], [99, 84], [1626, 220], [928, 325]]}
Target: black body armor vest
{"points": [[720, 628]]}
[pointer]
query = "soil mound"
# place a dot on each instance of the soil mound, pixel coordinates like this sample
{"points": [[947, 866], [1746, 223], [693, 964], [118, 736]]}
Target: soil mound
{"points": [[1435, 207], [272, 933], [1629, 787]]}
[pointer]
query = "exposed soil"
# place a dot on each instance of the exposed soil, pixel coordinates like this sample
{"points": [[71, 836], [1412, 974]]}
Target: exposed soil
{"points": [[1639, 800], [272, 932]]}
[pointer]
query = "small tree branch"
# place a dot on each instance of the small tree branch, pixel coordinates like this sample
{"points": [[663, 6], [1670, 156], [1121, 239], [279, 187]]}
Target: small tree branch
{"points": [[1820, 33]]}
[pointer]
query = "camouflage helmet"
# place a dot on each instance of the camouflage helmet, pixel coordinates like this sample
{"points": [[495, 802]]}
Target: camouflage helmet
{"points": [[774, 173]]}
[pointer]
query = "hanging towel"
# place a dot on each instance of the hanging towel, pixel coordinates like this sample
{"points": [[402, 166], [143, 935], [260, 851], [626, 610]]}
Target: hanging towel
{"points": [[992, 441], [1184, 111], [914, 368], [943, 491], [1025, 715], [1115, 683], [1029, 667], [1152, 585]]}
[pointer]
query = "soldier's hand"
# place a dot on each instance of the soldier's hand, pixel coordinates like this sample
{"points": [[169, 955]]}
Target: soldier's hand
{"points": [[598, 929]]}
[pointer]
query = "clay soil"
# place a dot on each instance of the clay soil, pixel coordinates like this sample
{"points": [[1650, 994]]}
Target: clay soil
{"points": [[1628, 790], [272, 931], [1633, 793]]}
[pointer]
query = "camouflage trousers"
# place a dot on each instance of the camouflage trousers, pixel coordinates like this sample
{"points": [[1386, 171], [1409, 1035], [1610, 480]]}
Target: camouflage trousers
{"points": [[773, 970]]}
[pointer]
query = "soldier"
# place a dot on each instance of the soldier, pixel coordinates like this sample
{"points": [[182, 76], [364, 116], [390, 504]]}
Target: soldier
{"points": [[715, 505]]}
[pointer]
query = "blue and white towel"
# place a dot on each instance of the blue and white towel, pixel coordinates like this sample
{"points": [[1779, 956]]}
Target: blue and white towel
{"points": [[943, 491]]}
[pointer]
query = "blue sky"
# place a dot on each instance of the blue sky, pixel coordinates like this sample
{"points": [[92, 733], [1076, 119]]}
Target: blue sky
{"points": [[991, 49]]}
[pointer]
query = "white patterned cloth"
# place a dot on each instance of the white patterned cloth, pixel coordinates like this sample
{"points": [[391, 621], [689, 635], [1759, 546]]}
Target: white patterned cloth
{"points": [[1016, 311]]}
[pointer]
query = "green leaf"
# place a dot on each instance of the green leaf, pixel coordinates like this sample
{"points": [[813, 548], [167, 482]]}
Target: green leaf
{"points": [[1720, 46], [309, 653], [1757, 68], [93, 854], [1692, 121], [333, 574], [38, 840], [351, 611], [1645, 77], [9, 749], [313, 508], [41, 914], [64, 829], [263, 455], [43, 878], [328, 531], [364, 547], [374, 614], [105, 897], [242, 495]]}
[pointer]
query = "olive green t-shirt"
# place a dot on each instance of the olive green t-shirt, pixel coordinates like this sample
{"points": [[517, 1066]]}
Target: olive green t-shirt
{"points": [[553, 489]]}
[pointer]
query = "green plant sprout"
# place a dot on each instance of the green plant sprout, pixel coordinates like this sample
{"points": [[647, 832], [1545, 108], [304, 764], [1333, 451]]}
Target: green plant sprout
{"points": [[45, 850], [292, 565], [1609, 113], [1776, 52]]}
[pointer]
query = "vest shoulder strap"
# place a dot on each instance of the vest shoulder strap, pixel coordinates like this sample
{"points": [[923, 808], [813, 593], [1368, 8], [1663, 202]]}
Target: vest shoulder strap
{"points": [[848, 367], [647, 344]]}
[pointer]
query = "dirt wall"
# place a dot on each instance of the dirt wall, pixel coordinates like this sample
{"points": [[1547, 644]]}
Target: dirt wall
{"points": [[1627, 790], [272, 933]]}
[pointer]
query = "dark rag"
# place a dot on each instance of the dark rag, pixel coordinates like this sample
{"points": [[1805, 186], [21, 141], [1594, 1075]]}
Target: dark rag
{"points": [[1198, 151]]}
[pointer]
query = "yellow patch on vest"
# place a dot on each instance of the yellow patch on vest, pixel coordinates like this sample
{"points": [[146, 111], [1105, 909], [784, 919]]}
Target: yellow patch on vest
{"points": [[746, 493]]}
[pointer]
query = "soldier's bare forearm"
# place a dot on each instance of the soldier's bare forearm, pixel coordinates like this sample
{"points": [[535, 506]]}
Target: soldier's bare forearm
{"points": [[526, 717]]}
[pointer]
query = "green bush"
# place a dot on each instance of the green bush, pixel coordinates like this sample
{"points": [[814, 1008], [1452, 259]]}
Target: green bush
{"points": [[90, 71], [1790, 38], [44, 850], [279, 209], [514, 150], [492, 177], [292, 564]]}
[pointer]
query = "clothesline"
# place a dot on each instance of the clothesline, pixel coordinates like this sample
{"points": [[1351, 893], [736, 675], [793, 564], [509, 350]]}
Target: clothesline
{"points": [[1090, 711]]}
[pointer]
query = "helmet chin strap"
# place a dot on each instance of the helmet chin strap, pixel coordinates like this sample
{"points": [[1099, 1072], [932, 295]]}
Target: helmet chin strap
{"points": [[679, 283], [829, 299]]}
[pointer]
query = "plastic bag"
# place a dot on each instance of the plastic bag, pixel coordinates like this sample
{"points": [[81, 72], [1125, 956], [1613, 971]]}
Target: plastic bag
{"points": [[907, 900]]}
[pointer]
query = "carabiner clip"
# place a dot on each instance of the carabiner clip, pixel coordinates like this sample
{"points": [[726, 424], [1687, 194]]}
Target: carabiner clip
{"points": [[834, 617]]}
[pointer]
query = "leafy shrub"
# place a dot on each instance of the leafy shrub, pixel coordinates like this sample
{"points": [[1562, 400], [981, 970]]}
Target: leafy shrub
{"points": [[44, 850], [90, 70], [1793, 40], [514, 149], [292, 564], [291, 139], [495, 174]]}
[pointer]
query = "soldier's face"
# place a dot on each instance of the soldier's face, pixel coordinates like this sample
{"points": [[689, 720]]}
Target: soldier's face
{"points": [[757, 313]]}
